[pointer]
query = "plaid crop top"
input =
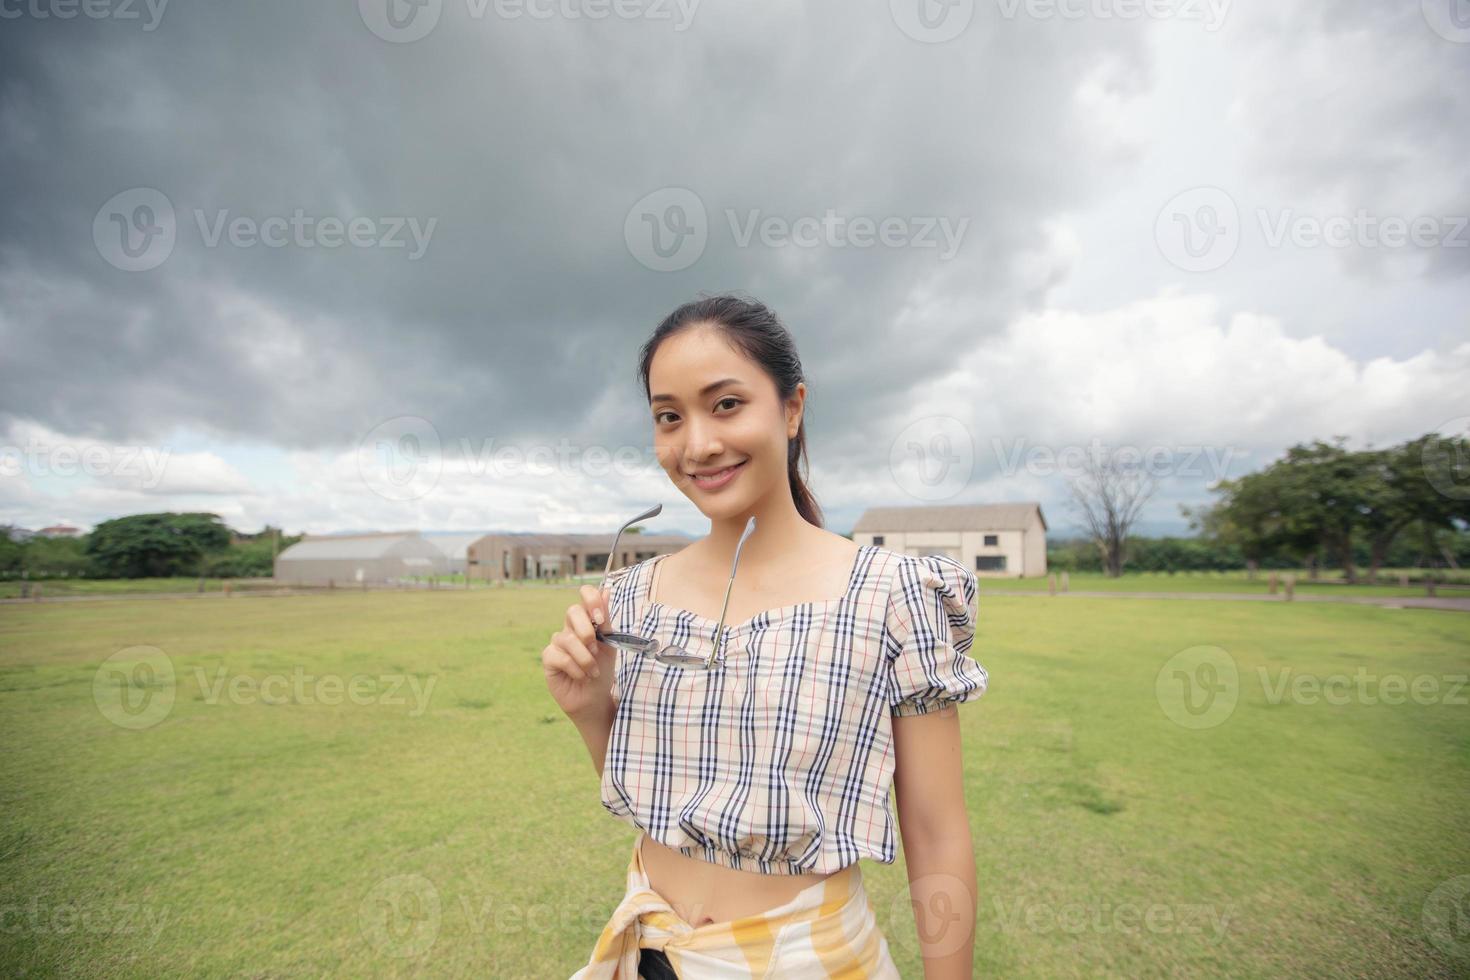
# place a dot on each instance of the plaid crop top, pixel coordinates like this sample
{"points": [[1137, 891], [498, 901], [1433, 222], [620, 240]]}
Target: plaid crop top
{"points": [[779, 759]]}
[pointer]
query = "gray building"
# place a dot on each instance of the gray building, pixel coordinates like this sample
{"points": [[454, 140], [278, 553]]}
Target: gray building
{"points": [[506, 556], [350, 559], [992, 540]]}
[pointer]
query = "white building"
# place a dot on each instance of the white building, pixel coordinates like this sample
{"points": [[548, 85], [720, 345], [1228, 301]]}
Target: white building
{"points": [[992, 540]]}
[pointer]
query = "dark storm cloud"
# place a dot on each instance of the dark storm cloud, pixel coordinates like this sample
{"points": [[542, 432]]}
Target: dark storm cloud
{"points": [[527, 142]]}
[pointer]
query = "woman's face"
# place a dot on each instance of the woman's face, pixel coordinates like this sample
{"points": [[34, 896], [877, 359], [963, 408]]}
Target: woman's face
{"points": [[713, 409]]}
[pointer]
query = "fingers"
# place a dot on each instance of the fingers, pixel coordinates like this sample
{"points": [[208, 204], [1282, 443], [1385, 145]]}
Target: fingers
{"points": [[579, 649], [595, 602], [558, 659]]}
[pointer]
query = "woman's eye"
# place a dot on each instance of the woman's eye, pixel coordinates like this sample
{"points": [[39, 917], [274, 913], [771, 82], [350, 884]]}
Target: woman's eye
{"points": [[732, 400]]}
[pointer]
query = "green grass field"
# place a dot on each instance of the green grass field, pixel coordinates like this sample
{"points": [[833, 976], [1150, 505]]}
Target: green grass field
{"points": [[1457, 584], [250, 829]]}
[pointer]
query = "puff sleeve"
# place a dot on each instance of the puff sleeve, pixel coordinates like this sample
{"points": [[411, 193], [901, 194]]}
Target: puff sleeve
{"points": [[930, 628]]}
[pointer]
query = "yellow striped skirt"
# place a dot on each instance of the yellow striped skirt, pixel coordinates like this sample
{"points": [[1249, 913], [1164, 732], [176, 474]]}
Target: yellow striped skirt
{"points": [[827, 930]]}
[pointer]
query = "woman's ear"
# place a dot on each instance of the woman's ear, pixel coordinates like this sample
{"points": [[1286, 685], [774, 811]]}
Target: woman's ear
{"points": [[795, 406]]}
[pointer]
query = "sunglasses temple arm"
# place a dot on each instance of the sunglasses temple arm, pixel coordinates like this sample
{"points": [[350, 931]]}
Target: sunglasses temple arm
{"points": [[612, 553], [720, 629]]}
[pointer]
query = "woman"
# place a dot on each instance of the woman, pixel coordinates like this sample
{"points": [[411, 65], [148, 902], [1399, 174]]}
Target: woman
{"points": [[757, 784]]}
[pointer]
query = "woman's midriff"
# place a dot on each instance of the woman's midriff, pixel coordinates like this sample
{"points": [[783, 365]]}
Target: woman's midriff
{"points": [[701, 893]]}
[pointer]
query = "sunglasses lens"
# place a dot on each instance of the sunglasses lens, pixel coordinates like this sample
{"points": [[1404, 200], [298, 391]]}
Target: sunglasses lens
{"points": [[629, 642], [682, 659]]}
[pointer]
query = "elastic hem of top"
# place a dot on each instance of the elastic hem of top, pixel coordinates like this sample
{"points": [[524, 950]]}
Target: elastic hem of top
{"points": [[743, 862]]}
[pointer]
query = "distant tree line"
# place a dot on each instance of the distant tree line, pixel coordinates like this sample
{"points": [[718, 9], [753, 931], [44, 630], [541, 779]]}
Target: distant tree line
{"points": [[1197, 554], [162, 545], [1321, 505]]}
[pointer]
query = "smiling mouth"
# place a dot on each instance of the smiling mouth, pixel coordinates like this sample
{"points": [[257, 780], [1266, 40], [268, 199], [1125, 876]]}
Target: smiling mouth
{"points": [[719, 477]]}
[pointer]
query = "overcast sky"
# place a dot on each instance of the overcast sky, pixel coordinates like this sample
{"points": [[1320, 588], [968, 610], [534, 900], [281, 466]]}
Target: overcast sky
{"points": [[348, 265]]}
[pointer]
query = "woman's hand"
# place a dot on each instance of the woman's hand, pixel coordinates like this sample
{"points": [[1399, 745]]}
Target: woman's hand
{"points": [[579, 667]]}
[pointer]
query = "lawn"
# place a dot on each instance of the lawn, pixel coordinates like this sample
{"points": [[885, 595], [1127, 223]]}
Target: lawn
{"points": [[329, 758]]}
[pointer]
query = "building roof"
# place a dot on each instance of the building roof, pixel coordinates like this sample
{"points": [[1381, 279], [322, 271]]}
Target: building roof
{"points": [[950, 517], [454, 545], [346, 545]]}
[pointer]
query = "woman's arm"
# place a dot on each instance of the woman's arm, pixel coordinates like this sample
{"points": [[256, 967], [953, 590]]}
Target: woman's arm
{"points": [[595, 725], [938, 849]]}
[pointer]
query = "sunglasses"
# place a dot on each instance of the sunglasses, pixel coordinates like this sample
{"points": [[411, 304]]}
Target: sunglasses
{"points": [[671, 654]]}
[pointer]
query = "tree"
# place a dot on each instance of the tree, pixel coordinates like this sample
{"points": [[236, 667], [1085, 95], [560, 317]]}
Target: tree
{"points": [[1247, 518], [1324, 494], [149, 545], [1111, 494]]}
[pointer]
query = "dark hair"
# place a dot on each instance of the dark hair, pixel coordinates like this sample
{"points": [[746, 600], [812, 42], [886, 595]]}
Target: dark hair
{"points": [[756, 331]]}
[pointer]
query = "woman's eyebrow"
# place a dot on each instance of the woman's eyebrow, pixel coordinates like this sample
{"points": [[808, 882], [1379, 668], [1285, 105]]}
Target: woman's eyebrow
{"points": [[703, 391]]}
